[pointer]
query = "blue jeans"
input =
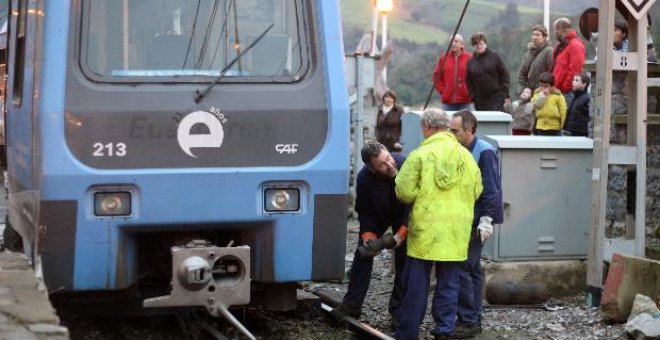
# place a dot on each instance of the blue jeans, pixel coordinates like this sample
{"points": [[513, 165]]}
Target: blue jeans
{"points": [[458, 107], [417, 273], [471, 278], [360, 276]]}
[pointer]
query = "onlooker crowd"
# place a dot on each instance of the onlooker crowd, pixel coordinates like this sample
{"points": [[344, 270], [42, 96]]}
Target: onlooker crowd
{"points": [[546, 89]]}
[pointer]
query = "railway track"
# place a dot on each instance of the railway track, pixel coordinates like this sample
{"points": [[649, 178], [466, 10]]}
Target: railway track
{"points": [[312, 320]]}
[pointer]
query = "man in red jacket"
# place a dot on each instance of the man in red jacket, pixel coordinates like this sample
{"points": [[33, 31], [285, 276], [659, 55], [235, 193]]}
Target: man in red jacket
{"points": [[450, 81], [568, 57]]}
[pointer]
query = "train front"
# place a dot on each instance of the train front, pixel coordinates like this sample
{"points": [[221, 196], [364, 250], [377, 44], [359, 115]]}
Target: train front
{"points": [[204, 150]]}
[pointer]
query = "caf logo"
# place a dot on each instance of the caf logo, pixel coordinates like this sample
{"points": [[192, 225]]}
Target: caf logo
{"points": [[188, 140]]}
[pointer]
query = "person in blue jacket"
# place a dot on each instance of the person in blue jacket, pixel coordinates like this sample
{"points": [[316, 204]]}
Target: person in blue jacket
{"points": [[488, 210], [377, 208]]}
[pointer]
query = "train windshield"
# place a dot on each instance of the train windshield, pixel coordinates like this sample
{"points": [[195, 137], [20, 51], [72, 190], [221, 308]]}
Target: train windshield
{"points": [[178, 39]]}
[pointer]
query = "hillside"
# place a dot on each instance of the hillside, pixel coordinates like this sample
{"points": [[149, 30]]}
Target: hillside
{"points": [[432, 21], [419, 31]]}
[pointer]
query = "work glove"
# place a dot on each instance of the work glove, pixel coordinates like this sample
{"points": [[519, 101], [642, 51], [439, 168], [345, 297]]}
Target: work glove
{"points": [[485, 228], [371, 244], [401, 235], [370, 248]]}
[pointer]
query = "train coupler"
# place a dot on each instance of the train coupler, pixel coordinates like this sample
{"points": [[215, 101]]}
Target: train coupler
{"points": [[204, 274]]}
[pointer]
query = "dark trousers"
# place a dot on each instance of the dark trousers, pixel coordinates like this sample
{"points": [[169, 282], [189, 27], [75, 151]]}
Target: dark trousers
{"points": [[360, 276], [518, 132], [568, 97], [471, 278], [538, 132], [417, 274], [573, 133], [495, 103]]}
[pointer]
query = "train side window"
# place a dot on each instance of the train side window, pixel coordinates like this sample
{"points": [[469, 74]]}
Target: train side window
{"points": [[19, 59]]}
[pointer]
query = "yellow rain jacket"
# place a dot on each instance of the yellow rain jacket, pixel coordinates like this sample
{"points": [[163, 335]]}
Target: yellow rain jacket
{"points": [[550, 110], [443, 181]]}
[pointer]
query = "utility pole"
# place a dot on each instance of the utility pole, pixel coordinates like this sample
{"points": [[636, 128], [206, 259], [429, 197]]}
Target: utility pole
{"points": [[546, 14], [633, 153]]}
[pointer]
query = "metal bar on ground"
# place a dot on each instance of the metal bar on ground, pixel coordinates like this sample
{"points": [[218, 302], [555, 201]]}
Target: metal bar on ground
{"points": [[330, 301]]}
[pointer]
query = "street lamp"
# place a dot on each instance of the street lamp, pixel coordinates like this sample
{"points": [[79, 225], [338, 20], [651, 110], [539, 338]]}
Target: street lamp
{"points": [[384, 7]]}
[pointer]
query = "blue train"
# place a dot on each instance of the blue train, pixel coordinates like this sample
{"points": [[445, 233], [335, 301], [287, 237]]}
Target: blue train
{"points": [[201, 147]]}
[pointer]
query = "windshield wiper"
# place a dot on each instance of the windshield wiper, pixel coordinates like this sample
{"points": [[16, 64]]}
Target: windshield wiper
{"points": [[201, 95]]}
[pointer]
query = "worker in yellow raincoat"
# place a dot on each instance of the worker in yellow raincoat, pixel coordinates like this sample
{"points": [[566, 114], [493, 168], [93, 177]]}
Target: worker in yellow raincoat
{"points": [[443, 182]]}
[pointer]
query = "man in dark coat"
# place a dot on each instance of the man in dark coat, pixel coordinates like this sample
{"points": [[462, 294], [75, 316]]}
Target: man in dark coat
{"points": [[488, 210], [378, 209], [487, 76]]}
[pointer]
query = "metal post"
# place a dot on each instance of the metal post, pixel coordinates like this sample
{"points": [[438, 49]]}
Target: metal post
{"points": [[638, 138], [600, 169], [383, 42], [374, 30], [546, 14], [359, 114]]}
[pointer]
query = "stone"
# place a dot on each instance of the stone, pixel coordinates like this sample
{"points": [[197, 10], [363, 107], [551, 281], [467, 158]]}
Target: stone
{"points": [[643, 304], [556, 327], [644, 326]]}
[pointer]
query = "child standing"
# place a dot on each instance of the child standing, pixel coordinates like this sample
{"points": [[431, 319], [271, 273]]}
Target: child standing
{"points": [[550, 107], [577, 122], [522, 112]]}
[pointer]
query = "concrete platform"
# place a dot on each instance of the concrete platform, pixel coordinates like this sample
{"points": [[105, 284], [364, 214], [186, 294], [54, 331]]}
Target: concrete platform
{"points": [[25, 311]]}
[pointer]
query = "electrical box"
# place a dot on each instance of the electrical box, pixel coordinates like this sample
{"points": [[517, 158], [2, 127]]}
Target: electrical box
{"points": [[546, 187], [488, 123]]}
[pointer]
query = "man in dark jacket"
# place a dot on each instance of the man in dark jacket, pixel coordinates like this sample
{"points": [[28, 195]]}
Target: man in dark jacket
{"points": [[487, 76], [378, 209], [568, 57], [537, 59], [577, 121], [488, 210]]}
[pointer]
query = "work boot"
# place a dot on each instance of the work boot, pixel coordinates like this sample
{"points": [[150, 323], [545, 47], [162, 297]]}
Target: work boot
{"points": [[343, 310], [467, 331]]}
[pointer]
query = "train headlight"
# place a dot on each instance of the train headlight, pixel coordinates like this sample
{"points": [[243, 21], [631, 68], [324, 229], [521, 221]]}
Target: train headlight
{"points": [[276, 199], [112, 203]]}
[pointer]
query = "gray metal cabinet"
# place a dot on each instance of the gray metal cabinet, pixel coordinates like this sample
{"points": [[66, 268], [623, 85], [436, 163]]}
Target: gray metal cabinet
{"points": [[546, 184]]}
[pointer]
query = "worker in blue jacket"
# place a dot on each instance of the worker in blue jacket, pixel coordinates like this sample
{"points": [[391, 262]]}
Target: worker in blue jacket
{"points": [[377, 208], [488, 210]]}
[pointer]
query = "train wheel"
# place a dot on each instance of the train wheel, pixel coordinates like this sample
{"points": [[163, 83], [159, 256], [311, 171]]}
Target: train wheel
{"points": [[11, 239]]}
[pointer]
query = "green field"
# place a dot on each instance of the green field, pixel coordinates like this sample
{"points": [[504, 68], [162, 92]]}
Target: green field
{"points": [[357, 14]]}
